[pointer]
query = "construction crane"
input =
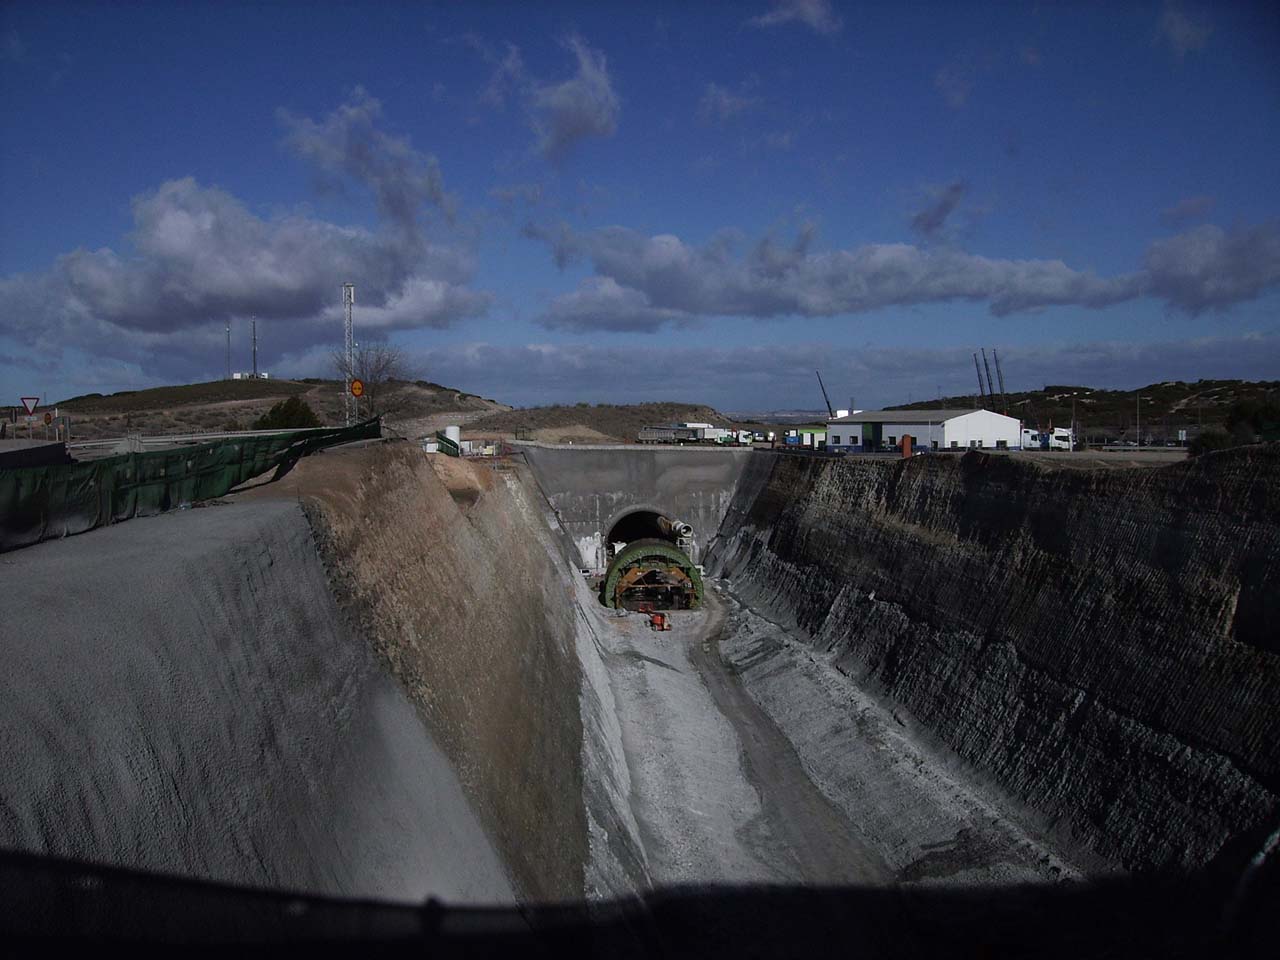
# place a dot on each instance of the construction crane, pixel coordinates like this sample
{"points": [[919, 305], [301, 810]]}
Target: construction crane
{"points": [[830, 413], [991, 390], [977, 369], [1004, 400]]}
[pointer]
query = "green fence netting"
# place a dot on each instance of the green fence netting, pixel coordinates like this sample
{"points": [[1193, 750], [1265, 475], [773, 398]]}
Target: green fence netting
{"points": [[37, 503]]}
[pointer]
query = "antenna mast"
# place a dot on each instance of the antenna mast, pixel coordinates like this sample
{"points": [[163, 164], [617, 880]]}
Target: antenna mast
{"points": [[228, 348], [1004, 400], [830, 413], [349, 345], [254, 321]]}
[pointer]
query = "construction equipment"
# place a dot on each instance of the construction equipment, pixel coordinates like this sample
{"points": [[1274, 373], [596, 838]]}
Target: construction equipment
{"points": [[1004, 400], [652, 574], [991, 390], [659, 621], [830, 412], [981, 392]]}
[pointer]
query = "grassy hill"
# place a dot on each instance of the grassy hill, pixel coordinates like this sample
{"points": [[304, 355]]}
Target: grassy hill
{"points": [[235, 404], [168, 398], [1166, 407], [585, 422]]}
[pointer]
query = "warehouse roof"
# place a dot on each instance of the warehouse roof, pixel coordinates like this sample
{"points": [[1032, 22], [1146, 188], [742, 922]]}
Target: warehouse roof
{"points": [[904, 416]]}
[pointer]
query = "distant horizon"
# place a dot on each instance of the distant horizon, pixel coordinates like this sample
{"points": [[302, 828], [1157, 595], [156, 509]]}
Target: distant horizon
{"points": [[727, 411]]}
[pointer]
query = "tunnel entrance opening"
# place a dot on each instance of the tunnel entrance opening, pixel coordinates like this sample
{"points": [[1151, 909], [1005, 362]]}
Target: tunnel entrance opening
{"points": [[638, 525]]}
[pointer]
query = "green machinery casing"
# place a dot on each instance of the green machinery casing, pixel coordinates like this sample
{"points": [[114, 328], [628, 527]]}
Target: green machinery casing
{"points": [[661, 553]]}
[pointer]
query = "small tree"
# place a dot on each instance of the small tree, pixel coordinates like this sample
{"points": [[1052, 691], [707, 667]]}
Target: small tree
{"points": [[293, 413], [1255, 416], [1210, 440], [376, 366]]}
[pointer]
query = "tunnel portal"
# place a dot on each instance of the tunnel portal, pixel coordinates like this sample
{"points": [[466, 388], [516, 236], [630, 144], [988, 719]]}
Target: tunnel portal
{"points": [[649, 565]]}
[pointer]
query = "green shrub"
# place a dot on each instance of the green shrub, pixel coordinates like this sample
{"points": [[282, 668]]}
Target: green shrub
{"points": [[287, 414], [1210, 440]]}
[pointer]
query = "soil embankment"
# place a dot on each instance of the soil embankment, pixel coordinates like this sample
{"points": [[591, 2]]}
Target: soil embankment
{"points": [[1099, 646], [453, 573]]}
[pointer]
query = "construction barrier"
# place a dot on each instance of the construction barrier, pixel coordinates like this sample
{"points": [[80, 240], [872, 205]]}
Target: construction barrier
{"points": [[39, 503]]}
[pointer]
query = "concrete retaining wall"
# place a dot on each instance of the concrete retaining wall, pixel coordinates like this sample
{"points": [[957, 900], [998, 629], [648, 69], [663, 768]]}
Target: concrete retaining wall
{"points": [[591, 489]]}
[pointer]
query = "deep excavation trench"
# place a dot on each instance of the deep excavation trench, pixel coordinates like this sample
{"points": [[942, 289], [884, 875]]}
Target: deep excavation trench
{"points": [[913, 677]]}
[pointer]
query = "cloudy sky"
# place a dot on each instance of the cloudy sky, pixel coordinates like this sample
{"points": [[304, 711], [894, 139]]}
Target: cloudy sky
{"points": [[617, 202]]}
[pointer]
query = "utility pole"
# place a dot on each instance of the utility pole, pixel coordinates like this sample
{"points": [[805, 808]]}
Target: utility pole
{"points": [[1074, 442], [254, 321], [349, 345]]}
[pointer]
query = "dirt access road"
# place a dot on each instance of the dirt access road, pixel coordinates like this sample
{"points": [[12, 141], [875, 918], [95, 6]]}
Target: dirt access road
{"points": [[719, 792]]}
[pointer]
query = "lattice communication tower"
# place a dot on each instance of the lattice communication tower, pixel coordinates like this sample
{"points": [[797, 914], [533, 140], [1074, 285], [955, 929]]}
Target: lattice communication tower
{"points": [[349, 345]]}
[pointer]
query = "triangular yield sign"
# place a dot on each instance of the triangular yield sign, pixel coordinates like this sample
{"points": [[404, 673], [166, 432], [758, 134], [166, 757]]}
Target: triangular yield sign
{"points": [[29, 403]]}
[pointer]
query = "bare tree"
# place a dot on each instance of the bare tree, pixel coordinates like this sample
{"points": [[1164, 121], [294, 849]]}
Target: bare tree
{"points": [[377, 365]]}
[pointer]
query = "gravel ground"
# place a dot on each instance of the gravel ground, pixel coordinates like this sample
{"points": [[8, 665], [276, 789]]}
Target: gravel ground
{"points": [[754, 762], [719, 793]]}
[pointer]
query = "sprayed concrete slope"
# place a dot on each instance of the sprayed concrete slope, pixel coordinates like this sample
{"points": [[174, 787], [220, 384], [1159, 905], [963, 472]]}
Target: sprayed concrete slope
{"points": [[180, 695], [1099, 647]]}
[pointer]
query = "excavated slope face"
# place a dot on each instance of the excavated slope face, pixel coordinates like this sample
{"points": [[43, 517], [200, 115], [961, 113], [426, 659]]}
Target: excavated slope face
{"points": [[1102, 644], [461, 599]]}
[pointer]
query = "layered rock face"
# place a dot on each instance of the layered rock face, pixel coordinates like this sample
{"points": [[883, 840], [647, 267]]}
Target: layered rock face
{"points": [[1102, 644]]}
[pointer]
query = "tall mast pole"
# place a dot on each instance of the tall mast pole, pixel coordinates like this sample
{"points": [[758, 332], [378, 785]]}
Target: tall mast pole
{"points": [[254, 322], [349, 345], [1004, 399], [978, 370], [228, 348]]}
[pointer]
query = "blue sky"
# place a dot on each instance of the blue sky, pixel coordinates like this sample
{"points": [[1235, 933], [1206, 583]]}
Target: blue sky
{"points": [[562, 202]]}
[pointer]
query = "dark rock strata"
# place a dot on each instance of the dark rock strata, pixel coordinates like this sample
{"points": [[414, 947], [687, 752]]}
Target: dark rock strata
{"points": [[1103, 644]]}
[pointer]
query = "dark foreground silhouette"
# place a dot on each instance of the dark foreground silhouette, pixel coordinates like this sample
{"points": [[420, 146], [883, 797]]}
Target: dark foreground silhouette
{"points": [[1208, 915]]}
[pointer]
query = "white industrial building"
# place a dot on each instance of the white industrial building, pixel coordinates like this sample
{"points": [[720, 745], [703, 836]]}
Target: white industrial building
{"points": [[868, 431]]}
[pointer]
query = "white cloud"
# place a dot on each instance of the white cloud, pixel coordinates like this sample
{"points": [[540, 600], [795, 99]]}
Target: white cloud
{"points": [[1211, 268], [600, 301], [561, 113], [1183, 32], [774, 280], [197, 258], [678, 282], [349, 143], [815, 14], [942, 204], [1187, 210], [721, 105]]}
